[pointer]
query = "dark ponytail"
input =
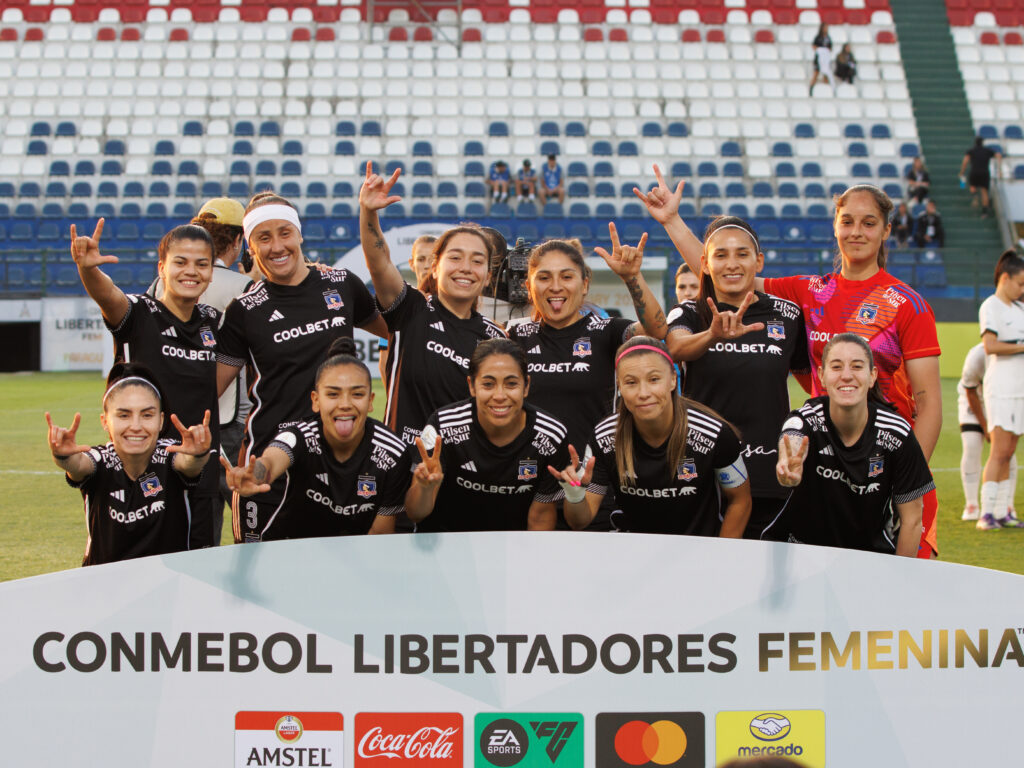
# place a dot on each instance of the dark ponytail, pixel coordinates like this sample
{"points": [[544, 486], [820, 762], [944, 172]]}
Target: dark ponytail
{"points": [[124, 375], [1009, 264], [342, 352]]}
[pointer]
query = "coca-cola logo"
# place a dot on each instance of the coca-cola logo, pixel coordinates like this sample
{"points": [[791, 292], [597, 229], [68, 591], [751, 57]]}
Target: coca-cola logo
{"points": [[409, 739]]}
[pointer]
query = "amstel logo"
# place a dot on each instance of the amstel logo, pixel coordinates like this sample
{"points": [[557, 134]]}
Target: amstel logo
{"points": [[288, 729]]}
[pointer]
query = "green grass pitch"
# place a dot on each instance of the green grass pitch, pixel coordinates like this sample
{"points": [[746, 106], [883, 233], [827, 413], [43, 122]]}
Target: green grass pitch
{"points": [[44, 530]]}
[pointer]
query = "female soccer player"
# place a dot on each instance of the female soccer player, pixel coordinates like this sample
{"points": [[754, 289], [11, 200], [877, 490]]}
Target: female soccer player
{"points": [[1002, 332], [733, 335], [687, 284], [280, 329], [859, 297], [175, 337], [432, 338], [419, 263], [346, 473], [853, 463], [970, 394], [136, 487], [673, 466], [493, 472]]}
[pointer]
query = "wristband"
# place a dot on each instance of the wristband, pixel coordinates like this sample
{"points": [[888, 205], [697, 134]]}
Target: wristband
{"points": [[63, 458], [574, 494]]}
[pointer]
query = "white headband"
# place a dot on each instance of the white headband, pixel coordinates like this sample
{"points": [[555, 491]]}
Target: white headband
{"points": [[263, 213], [131, 380], [740, 227]]}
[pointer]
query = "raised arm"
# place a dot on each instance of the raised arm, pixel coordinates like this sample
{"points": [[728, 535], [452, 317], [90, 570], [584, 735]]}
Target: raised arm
{"points": [[374, 195], [194, 451], [259, 474], [426, 482], [580, 506], [789, 469], [685, 346], [626, 261], [101, 289], [67, 453]]}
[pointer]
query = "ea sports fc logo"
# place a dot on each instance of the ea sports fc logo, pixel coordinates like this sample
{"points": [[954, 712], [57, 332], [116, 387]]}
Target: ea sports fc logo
{"points": [[650, 739], [288, 729]]}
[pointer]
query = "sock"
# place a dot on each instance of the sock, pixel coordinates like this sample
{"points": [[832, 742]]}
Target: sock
{"points": [[1012, 480], [988, 497], [1002, 498], [970, 465]]}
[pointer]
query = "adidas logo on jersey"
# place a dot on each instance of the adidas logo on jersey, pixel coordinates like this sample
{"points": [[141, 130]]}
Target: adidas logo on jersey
{"points": [[826, 451], [469, 465], [322, 477], [275, 315], [119, 495], [534, 350], [170, 332], [438, 326]]}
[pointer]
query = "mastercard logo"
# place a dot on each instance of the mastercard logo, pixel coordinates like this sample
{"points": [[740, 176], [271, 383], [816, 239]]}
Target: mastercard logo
{"points": [[638, 742]]}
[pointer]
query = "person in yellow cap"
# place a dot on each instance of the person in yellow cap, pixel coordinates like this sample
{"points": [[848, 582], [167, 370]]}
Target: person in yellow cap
{"points": [[221, 217]]}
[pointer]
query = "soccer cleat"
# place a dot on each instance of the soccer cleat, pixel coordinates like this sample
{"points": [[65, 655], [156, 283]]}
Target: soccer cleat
{"points": [[987, 523], [1010, 521], [971, 512]]}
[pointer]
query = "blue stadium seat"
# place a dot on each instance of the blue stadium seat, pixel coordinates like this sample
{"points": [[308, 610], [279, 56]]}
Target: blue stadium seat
{"points": [[266, 168], [651, 129], [888, 171], [37, 147], [710, 210], [192, 128], [183, 210], [130, 210], [159, 189], [1013, 132], [422, 189], [422, 168], [60, 168], [422, 149], [988, 132], [475, 211], [127, 230], [791, 211], [733, 170], [49, 233], [604, 189], [29, 189], [448, 211], [422, 211], [78, 211], [554, 230], [579, 211], [85, 168], [782, 149], [526, 210], [893, 190], [678, 130], [576, 129], [769, 233], [161, 168], [474, 169], [626, 189], [550, 148], [394, 211], [837, 188], [345, 128], [242, 147], [880, 131], [857, 149], [707, 169], [854, 131], [739, 209], [549, 128], [577, 169], [393, 165], [239, 189], [473, 149], [291, 147], [788, 189], [803, 131], [164, 148], [736, 189], [909, 149], [341, 211], [762, 189], [22, 230], [578, 189], [447, 189], [553, 210], [184, 189], [241, 168], [111, 168], [681, 170], [314, 232], [291, 168], [603, 169], [66, 128], [56, 189], [81, 189], [345, 148], [633, 211], [343, 189], [710, 189], [1018, 172], [188, 168], [52, 211], [811, 170], [861, 171], [475, 189], [601, 149], [153, 229], [498, 128], [317, 190], [270, 128], [814, 190], [113, 147], [245, 128], [628, 149], [501, 211], [212, 188], [785, 170], [6, 189], [731, 149], [528, 231], [370, 128], [818, 211]]}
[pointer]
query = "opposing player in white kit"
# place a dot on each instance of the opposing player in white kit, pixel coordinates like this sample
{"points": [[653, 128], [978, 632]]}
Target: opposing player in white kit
{"points": [[974, 430], [1002, 332]]}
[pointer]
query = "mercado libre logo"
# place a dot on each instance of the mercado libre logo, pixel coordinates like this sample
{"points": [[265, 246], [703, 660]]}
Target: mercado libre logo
{"points": [[797, 734], [550, 739], [650, 738]]}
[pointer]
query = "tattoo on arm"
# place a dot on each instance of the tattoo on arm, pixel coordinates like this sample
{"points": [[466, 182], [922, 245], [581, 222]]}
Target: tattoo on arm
{"points": [[636, 293], [379, 243], [259, 471]]}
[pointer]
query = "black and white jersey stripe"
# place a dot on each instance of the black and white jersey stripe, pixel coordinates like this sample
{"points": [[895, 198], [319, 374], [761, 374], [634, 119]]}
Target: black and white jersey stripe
{"points": [[386, 440]]}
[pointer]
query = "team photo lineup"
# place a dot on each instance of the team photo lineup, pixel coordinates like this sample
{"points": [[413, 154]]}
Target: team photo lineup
{"points": [[235, 381]]}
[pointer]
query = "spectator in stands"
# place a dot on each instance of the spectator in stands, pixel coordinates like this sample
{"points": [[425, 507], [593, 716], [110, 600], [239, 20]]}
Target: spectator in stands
{"points": [[498, 181], [526, 181], [822, 46], [902, 224], [687, 284], [552, 184], [978, 158], [846, 65], [918, 181], [928, 230]]}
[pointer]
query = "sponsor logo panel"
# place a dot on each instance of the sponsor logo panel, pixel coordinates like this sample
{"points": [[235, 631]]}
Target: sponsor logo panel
{"points": [[796, 734], [626, 739], [411, 740], [289, 738], [529, 740]]}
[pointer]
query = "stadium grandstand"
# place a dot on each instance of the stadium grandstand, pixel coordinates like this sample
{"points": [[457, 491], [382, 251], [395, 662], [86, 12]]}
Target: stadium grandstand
{"points": [[139, 111]]}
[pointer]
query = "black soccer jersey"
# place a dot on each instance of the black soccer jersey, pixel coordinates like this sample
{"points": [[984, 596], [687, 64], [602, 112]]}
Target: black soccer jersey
{"points": [[846, 494], [487, 487], [428, 358], [128, 518], [572, 369], [745, 379], [326, 497], [282, 333], [686, 500], [181, 356]]}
